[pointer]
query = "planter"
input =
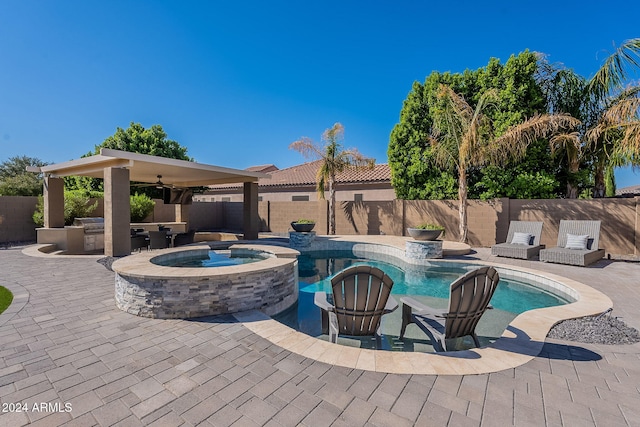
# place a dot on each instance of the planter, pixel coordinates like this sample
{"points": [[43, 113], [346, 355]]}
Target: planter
{"points": [[421, 234], [303, 227]]}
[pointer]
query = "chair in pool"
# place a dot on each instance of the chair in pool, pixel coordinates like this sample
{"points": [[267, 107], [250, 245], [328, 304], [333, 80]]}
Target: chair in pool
{"points": [[577, 244], [184, 238], [523, 241], [158, 240], [469, 298], [360, 299]]}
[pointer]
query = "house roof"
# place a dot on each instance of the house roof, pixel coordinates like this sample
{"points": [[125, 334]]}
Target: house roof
{"points": [[628, 191], [305, 174], [262, 168]]}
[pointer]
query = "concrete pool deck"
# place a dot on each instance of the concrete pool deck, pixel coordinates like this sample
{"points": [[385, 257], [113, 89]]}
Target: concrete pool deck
{"points": [[70, 344]]}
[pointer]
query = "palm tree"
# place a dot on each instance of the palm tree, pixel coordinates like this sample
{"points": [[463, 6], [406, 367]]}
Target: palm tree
{"points": [[463, 137], [334, 160], [609, 136]]}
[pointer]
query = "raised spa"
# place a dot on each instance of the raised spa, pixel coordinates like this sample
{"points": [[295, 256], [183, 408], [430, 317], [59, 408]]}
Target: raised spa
{"points": [[217, 258], [146, 286]]}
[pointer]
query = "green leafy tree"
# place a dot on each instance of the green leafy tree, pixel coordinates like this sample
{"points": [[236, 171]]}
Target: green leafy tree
{"points": [[135, 139], [334, 159], [152, 141], [16, 181], [415, 174], [463, 137]]}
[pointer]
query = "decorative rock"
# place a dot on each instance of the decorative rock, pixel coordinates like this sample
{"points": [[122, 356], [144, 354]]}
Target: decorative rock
{"points": [[301, 240], [423, 249]]}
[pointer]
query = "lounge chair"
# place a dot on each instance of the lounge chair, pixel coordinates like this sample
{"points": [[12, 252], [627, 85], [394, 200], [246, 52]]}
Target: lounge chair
{"points": [[523, 241], [469, 298], [360, 299], [577, 244]]}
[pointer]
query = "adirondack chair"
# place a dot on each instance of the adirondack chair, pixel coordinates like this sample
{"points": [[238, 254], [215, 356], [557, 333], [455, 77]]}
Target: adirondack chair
{"points": [[360, 298]]}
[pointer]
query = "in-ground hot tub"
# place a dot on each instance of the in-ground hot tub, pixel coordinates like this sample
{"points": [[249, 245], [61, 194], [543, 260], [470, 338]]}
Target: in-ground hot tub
{"points": [[147, 289]]}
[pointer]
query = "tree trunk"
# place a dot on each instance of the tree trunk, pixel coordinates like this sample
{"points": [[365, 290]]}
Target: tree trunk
{"points": [[572, 189], [332, 206], [462, 199], [599, 182]]}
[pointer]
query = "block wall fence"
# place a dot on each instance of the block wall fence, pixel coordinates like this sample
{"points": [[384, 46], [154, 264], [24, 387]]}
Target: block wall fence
{"points": [[488, 220]]}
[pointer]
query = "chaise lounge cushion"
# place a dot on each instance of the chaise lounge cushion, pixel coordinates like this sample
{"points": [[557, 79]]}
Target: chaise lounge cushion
{"points": [[525, 246], [576, 230]]}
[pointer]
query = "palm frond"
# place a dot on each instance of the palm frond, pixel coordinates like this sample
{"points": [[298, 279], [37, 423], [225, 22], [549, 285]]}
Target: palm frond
{"points": [[565, 140], [614, 71], [570, 143], [514, 142], [630, 142], [334, 134], [620, 117], [307, 148], [322, 176]]}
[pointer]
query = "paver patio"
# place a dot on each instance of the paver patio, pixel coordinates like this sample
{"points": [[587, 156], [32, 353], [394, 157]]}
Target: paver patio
{"points": [[64, 341]]}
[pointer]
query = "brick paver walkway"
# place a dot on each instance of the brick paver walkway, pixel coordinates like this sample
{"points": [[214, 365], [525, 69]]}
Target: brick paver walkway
{"points": [[70, 345]]}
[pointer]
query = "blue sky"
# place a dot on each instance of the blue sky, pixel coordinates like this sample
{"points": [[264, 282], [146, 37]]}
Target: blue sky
{"points": [[237, 82]]}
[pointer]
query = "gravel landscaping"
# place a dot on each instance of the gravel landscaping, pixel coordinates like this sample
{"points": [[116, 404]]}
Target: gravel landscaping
{"points": [[601, 329]]}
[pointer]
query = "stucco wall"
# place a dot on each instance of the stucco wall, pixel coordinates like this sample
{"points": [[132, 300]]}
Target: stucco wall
{"points": [[16, 224], [488, 221]]}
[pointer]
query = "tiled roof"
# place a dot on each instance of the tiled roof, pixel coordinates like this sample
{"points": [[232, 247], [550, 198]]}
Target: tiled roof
{"points": [[305, 174], [631, 190], [262, 168]]}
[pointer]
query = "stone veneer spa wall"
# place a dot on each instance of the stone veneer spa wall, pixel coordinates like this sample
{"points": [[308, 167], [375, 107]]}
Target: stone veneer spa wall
{"points": [[149, 290]]}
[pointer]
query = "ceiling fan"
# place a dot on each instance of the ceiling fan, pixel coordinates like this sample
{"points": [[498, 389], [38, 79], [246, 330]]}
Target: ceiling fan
{"points": [[158, 184]]}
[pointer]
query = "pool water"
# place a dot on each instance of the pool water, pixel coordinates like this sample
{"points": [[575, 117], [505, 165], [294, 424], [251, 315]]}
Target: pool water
{"points": [[214, 259], [429, 285]]}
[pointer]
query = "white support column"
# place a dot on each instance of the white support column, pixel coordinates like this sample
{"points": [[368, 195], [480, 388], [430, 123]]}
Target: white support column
{"points": [[53, 202], [182, 214], [117, 212]]}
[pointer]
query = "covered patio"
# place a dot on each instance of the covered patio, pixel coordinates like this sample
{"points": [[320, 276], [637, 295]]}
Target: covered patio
{"points": [[118, 168]]}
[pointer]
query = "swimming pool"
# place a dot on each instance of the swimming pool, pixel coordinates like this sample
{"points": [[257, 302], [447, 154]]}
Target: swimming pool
{"points": [[428, 284]]}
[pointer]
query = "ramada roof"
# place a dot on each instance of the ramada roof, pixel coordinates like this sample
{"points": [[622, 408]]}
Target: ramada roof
{"points": [[305, 174]]}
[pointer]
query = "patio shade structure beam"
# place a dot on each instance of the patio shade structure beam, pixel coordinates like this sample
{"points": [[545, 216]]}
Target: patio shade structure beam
{"points": [[118, 168]]}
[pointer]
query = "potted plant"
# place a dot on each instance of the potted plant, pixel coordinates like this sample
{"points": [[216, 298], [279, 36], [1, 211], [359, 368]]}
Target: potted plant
{"points": [[426, 231], [303, 225]]}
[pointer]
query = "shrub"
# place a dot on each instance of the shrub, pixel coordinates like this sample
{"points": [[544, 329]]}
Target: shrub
{"points": [[430, 227], [77, 204], [305, 221], [141, 207]]}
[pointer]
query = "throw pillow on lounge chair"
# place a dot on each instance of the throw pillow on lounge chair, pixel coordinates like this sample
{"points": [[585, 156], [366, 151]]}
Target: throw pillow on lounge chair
{"points": [[577, 242], [521, 239]]}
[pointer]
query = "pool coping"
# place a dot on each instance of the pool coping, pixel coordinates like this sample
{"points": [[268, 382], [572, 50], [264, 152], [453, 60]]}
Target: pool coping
{"points": [[521, 341], [141, 264]]}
